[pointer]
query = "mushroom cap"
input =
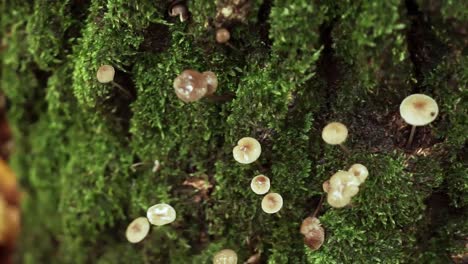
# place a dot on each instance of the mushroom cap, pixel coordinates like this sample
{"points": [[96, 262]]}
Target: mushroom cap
{"points": [[190, 86], [222, 35], [137, 230], [326, 186], [359, 171], [343, 178], [350, 190], [161, 214], [334, 133], [211, 81], [225, 256], [314, 239], [105, 74], [272, 203], [337, 199], [418, 109], [260, 184], [247, 150], [310, 224], [344, 182]]}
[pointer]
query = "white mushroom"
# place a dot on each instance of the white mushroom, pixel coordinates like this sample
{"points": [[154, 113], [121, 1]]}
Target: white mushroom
{"points": [[161, 214], [247, 150], [418, 110], [137, 230]]}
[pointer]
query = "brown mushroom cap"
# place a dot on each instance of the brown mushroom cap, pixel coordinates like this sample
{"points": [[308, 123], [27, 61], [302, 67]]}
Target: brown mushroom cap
{"points": [[161, 214], [334, 133], [314, 240], [247, 150], [137, 230], [222, 35], [211, 81], [260, 184], [225, 256], [313, 232], [190, 86], [105, 74], [272, 203], [310, 224], [418, 109], [359, 171], [326, 186]]}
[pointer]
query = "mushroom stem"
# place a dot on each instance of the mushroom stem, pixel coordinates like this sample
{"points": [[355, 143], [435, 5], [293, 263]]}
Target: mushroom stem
{"points": [[410, 140], [345, 149], [220, 98], [319, 206], [121, 89]]}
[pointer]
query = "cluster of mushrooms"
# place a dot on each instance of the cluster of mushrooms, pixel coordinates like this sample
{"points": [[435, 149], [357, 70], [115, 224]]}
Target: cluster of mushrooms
{"points": [[248, 150], [191, 86], [158, 215]]}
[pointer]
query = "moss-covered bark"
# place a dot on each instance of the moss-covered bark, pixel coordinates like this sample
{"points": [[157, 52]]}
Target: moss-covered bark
{"points": [[294, 65]]}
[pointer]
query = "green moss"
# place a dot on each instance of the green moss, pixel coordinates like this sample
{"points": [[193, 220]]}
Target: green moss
{"points": [[46, 28]]}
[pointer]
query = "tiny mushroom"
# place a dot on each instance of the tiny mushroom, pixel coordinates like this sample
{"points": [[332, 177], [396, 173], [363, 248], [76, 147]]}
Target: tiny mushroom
{"points": [[105, 74], [336, 199], [247, 150], [137, 230], [211, 82], [222, 35], [313, 232], [326, 186], [179, 10], [418, 110], [225, 256], [335, 133], [260, 184], [359, 171], [190, 86], [161, 214], [272, 203], [343, 185]]}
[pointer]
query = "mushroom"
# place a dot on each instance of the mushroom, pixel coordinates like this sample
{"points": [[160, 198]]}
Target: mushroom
{"points": [[335, 133], [272, 203], [161, 214], [343, 186], [247, 150], [106, 74], [222, 35], [336, 199], [326, 186], [418, 110], [260, 184], [137, 230], [179, 10], [190, 86], [313, 232], [211, 82], [225, 256], [359, 171]]}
